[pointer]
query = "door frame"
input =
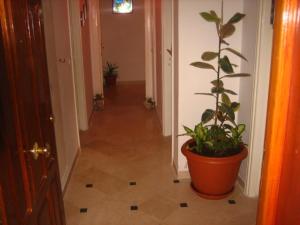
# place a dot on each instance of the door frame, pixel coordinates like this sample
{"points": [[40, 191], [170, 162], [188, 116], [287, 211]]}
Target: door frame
{"points": [[150, 63], [77, 62], [260, 98], [167, 62], [149, 51], [280, 107]]}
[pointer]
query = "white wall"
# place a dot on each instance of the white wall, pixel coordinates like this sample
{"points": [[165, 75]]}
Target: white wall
{"points": [[249, 46], [62, 86], [94, 14], [76, 38], [123, 40], [251, 171], [175, 85], [166, 67], [194, 37]]}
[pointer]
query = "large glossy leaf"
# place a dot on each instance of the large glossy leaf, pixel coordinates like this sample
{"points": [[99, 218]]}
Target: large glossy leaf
{"points": [[226, 65], [214, 14], [225, 109], [203, 65], [235, 106], [226, 99], [227, 30], [217, 90], [217, 83], [207, 116], [230, 92], [220, 116], [236, 18], [208, 56], [210, 16], [236, 53], [236, 75]]}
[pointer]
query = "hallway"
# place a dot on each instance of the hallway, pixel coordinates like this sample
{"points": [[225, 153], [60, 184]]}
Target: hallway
{"points": [[124, 174]]}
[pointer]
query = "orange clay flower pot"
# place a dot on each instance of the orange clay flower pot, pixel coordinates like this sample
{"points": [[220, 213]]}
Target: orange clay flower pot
{"points": [[213, 178]]}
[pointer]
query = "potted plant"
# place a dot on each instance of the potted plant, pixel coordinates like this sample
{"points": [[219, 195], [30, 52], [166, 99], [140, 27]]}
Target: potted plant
{"points": [[216, 149], [110, 74]]}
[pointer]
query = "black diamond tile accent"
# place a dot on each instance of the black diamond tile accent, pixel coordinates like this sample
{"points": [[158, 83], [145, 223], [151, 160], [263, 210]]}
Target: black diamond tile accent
{"points": [[89, 185], [132, 183], [231, 201], [134, 208], [183, 205], [176, 181], [83, 210]]}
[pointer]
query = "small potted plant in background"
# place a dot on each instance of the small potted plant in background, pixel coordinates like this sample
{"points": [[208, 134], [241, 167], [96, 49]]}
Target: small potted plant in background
{"points": [[110, 74], [149, 103], [216, 149]]}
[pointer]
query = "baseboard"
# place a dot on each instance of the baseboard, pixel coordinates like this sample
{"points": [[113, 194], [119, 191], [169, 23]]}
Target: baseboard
{"points": [[240, 183], [69, 171], [181, 174], [131, 82]]}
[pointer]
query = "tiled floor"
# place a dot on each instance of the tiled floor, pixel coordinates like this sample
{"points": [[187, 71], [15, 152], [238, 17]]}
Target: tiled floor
{"points": [[124, 174]]}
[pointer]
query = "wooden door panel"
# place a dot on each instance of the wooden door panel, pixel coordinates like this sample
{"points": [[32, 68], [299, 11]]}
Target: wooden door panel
{"points": [[3, 219], [280, 190], [31, 186], [13, 190], [28, 88]]}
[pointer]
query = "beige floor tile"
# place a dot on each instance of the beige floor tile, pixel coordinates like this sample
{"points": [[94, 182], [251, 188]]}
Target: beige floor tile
{"points": [[124, 144]]}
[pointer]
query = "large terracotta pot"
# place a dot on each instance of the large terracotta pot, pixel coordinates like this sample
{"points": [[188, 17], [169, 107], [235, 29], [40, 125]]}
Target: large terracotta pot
{"points": [[213, 178]]}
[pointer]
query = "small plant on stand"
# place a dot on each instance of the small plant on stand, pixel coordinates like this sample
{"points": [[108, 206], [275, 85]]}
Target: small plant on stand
{"points": [[98, 102], [149, 103], [110, 73]]}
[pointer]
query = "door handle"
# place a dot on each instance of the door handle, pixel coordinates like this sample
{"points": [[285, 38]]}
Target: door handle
{"points": [[36, 151]]}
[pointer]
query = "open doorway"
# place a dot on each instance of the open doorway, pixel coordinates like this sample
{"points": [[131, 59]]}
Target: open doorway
{"points": [[123, 45]]}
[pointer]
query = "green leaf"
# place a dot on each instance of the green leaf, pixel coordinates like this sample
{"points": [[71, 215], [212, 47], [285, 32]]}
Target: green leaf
{"points": [[203, 65], [236, 18], [220, 116], [236, 53], [209, 143], [200, 131], [236, 75], [235, 106], [230, 92], [226, 65], [227, 30], [188, 131], [207, 116], [208, 56], [227, 126], [226, 99], [217, 90], [214, 14], [241, 128], [218, 83], [210, 17], [210, 94], [228, 111]]}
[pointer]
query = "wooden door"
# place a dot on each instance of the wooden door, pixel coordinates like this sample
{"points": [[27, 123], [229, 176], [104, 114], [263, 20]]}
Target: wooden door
{"points": [[30, 181], [280, 191]]}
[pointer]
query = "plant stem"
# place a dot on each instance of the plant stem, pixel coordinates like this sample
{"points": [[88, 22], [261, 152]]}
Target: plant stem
{"points": [[218, 72]]}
